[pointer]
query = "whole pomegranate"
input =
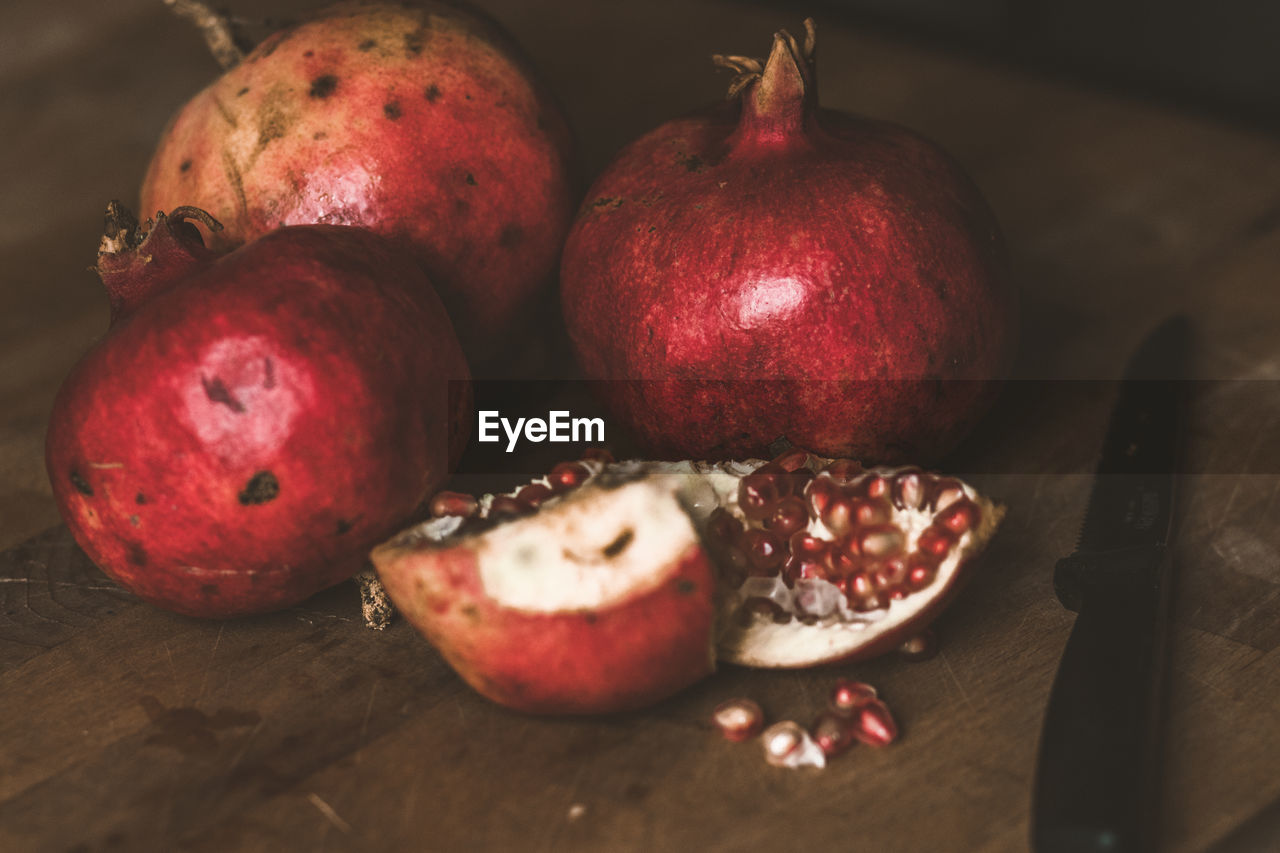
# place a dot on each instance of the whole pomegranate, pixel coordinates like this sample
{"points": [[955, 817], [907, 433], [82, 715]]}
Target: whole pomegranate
{"points": [[252, 424], [771, 270], [609, 586], [420, 122]]}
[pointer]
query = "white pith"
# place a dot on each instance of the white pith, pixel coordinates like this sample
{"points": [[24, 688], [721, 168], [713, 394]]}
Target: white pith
{"points": [[555, 560]]}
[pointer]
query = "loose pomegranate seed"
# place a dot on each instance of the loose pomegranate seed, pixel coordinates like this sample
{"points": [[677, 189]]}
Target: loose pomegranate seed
{"points": [[738, 719], [848, 696], [792, 460], [833, 733], [567, 475], [920, 647], [786, 744], [453, 503], [960, 516], [789, 516], [764, 552], [533, 495], [875, 725]]}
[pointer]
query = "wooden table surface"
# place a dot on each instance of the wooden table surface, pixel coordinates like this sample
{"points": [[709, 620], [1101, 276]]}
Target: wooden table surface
{"points": [[124, 727]]}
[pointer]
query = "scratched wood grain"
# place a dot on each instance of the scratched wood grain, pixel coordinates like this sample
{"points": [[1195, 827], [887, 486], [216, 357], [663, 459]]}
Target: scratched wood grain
{"points": [[123, 727]]}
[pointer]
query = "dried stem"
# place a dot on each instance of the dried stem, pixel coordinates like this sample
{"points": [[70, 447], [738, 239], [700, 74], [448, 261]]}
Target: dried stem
{"points": [[216, 28]]}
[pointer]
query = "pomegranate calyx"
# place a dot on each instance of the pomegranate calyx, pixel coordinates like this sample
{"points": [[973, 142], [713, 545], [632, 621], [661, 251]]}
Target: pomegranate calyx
{"points": [[224, 41], [779, 95], [137, 261]]}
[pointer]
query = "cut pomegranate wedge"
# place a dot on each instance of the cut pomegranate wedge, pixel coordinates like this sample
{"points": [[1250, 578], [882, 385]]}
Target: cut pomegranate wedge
{"points": [[608, 586]]}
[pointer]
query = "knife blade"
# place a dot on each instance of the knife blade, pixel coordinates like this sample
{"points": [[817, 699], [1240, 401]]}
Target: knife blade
{"points": [[1098, 768]]}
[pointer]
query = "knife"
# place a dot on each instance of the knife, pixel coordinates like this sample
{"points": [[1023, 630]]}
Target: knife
{"points": [[1098, 772]]}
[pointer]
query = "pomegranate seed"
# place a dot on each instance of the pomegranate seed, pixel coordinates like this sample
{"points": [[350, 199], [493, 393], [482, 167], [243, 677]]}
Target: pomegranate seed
{"points": [[875, 725], [786, 744], [723, 528], [833, 733], [795, 482], [598, 454], [908, 490], [943, 492], [738, 719], [921, 575], [870, 511], [960, 516], [792, 460], [505, 506], [533, 495], [453, 503], [820, 492], [808, 570], [757, 495], [882, 541], [838, 516], [789, 516], [860, 585], [806, 546], [875, 486], [843, 471], [843, 565], [934, 541], [567, 475], [763, 551], [848, 696], [921, 647], [893, 573]]}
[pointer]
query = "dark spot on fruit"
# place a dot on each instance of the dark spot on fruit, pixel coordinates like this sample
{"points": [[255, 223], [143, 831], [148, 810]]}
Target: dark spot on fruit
{"points": [[471, 179], [343, 526], [135, 520], [366, 45], [590, 618], [607, 201], [261, 488], [269, 373], [184, 166], [319, 134], [617, 546], [653, 228], [217, 392], [432, 93], [208, 589], [81, 484], [242, 92], [684, 586], [137, 556], [307, 54], [692, 163], [650, 328], [414, 41], [140, 498], [512, 235], [471, 612], [391, 110], [467, 96], [323, 86]]}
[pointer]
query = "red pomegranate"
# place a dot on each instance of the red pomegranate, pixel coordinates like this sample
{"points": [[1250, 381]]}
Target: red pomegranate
{"points": [[770, 270], [420, 122], [252, 424], [607, 587]]}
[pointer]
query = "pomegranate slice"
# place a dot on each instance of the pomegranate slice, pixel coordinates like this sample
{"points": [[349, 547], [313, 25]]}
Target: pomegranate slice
{"points": [[612, 592]]}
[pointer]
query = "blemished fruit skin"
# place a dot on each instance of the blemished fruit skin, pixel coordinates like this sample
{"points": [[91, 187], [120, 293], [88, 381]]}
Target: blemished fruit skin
{"points": [[240, 438], [420, 123], [771, 270]]}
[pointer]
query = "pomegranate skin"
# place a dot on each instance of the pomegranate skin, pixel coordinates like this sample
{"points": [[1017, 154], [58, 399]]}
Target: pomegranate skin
{"points": [[422, 124], [240, 439], [619, 658], [771, 270]]}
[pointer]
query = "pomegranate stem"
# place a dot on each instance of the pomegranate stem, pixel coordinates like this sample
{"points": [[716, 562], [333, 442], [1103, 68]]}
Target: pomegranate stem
{"points": [[219, 35]]}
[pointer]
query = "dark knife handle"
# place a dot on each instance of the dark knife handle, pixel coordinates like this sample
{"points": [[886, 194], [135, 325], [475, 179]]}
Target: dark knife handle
{"points": [[1098, 769]]}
